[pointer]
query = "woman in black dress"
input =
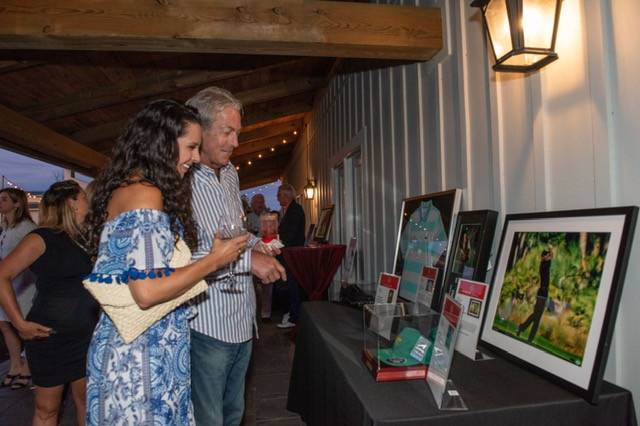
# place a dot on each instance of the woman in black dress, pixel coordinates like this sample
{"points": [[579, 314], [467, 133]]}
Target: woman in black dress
{"points": [[58, 328]]}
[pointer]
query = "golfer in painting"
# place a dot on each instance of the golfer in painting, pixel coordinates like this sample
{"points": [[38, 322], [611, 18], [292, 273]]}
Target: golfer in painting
{"points": [[541, 299]]}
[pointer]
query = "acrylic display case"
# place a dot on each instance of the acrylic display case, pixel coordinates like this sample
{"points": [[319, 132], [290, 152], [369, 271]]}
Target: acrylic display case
{"points": [[398, 340]]}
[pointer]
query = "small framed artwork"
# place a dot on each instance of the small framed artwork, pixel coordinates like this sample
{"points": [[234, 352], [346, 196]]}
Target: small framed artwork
{"points": [[556, 290], [474, 308], [423, 239], [471, 248], [309, 237], [321, 233]]}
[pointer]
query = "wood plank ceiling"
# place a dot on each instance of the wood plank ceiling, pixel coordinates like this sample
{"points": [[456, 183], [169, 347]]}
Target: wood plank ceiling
{"points": [[68, 106]]}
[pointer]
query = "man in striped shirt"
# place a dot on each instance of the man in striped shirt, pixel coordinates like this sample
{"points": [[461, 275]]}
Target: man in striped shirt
{"points": [[222, 332]]}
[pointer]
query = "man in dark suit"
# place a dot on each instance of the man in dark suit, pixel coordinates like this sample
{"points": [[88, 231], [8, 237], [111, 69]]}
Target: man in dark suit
{"points": [[291, 233]]}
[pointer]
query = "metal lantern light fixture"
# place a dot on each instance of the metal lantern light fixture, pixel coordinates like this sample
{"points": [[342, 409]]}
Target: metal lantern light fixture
{"points": [[522, 33], [310, 189]]}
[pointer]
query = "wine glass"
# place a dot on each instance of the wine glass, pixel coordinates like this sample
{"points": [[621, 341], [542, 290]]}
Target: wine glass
{"points": [[232, 229]]}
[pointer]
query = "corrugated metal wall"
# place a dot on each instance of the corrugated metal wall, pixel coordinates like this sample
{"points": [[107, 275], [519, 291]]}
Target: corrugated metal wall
{"points": [[564, 137]]}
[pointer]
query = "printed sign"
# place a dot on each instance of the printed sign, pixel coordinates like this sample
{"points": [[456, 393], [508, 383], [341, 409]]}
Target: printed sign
{"points": [[472, 295]]}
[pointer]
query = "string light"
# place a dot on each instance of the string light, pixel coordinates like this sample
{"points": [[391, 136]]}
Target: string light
{"points": [[295, 132], [249, 162], [284, 141], [272, 149], [237, 167], [259, 155]]}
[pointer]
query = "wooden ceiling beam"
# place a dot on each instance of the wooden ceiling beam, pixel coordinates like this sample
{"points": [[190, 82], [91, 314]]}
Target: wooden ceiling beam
{"points": [[273, 121], [106, 133], [284, 130], [267, 111], [265, 27], [23, 132], [261, 145], [155, 85], [105, 96], [267, 155], [9, 66]]}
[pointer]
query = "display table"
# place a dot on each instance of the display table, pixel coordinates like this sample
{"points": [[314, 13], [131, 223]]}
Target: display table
{"points": [[330, 386], [314, 267]]}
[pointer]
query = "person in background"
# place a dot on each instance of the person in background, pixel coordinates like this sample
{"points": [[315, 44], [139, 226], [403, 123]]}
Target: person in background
{"points": [[246, 207], [291, 233], [16, 223], [222, 332], [58, 328], [258, 206], [140, 209]]}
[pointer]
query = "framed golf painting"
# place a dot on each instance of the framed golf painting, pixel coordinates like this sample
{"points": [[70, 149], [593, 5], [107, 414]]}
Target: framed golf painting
{"points": [[556, 290]]}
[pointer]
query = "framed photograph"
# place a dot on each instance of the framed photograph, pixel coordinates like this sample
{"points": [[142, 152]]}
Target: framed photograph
{"points": [[309, 237], [555, 292], [474, 308], [423, 239], [321, 233], [471, 248]]}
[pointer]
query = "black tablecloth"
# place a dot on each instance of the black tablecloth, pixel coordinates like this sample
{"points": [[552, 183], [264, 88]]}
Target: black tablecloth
{"points": [[331, 386]]}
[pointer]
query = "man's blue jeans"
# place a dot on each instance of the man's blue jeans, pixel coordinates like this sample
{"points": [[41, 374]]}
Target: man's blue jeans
{"points": [[218, 371]]}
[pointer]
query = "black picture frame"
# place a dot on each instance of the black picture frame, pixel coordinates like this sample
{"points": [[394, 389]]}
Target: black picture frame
{"points": [[556, 290], [440, 208], [471, 248], [309, 237], [321, 233]]}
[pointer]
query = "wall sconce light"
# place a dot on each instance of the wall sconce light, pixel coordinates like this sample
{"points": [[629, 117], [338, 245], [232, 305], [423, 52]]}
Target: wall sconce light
{"points": [[522, 33], [310, 188]]}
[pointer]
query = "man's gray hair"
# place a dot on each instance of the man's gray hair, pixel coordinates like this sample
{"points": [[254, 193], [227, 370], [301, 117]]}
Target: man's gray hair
{"points": [[211, 101], [289, 189]]}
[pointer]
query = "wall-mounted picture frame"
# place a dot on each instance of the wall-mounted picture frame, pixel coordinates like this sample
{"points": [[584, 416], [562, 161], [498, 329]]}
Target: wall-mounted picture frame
{"points": [[555, 292], [424, 239], [321, 233], [470, 248], [310, 231]]}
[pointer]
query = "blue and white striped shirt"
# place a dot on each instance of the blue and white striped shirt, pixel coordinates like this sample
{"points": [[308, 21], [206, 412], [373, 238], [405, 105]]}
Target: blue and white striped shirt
{"points": [[229, 317]]}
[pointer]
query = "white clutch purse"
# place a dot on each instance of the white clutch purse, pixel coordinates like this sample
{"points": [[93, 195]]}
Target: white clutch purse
{"points": [[131, 321]]}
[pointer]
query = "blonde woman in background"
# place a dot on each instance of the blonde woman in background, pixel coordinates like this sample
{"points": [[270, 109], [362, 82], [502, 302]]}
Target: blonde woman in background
{"points": [[16, 223], [58, 328]]}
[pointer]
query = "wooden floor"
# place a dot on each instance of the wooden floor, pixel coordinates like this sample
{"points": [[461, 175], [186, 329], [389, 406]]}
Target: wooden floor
{"points": [[267, 386]]}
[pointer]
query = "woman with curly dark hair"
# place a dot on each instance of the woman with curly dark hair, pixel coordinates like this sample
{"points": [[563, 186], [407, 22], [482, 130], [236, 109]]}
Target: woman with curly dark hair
{"points": [[139, 210], [58, 328]]}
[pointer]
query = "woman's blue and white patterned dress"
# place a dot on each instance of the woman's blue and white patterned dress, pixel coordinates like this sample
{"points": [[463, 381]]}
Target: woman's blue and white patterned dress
{"points": [[146, 382]]}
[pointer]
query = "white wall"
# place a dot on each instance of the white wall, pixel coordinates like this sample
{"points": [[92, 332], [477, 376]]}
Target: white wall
{"points": [[560, 138]]}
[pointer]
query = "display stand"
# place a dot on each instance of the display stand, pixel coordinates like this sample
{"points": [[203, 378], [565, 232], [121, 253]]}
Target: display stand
{"points": [[451, 399], [442, 388]]}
